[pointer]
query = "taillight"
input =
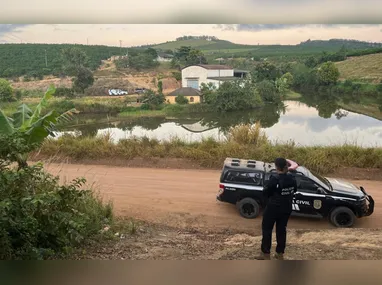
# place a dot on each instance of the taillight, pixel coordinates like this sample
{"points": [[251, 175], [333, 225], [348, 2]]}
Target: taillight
{"points": [[221, 189]]}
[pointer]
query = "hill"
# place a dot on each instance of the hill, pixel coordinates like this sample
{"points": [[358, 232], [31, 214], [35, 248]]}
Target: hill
{"points": [[37, 60], [214, 48], [29, 59], [366, 68]]}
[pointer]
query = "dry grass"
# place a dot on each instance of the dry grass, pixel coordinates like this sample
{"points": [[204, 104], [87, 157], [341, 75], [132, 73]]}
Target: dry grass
{"points": [[243, 142], [367, 68], [247, 134]]}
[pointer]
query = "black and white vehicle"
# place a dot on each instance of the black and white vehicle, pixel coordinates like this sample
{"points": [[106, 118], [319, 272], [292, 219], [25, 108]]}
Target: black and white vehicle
{"points": [[242, 182]]}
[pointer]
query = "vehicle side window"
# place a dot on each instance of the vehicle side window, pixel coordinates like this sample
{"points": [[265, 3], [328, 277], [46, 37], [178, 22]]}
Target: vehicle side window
{"points": [[306, 185], [251, 178]]}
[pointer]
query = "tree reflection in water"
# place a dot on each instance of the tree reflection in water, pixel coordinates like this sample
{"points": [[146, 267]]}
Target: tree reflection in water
{"points": [[326, 104]]}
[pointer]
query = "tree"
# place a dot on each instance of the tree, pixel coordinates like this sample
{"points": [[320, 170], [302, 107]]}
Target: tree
{"points": [[152, 99], [328, 73], [32, 126], [265, 71], [311, 62], [181, 100], [6, 91], [209, 92], [160, 87], [236, 95], [267, 91], [75, 63], [142, 61], [187, 55], [304, 77], [84, 80], [73, 60]]}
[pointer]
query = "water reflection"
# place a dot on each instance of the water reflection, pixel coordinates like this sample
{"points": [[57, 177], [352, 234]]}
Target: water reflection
{"points": [[308, 122]]}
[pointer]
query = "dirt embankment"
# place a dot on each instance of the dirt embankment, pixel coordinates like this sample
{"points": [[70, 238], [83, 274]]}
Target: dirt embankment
{"points": [[108, 77], [180, 219]]}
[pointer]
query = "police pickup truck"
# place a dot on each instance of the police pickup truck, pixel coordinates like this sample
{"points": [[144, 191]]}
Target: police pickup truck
{"points": [[242, 182]]}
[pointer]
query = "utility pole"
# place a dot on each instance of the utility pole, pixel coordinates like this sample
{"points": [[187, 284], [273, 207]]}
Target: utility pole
{"points": [[120, 46], [46, 60]]}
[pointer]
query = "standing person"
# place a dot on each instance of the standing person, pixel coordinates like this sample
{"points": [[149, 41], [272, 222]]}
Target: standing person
{"points": [[278, 194]]}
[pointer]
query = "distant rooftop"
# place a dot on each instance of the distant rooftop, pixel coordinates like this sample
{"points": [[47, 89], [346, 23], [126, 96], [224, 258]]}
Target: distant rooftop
{"points": [[185, 91], [212, 66]]}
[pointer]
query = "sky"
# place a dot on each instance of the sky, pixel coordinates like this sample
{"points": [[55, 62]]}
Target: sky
{"points": [[140, 34]]}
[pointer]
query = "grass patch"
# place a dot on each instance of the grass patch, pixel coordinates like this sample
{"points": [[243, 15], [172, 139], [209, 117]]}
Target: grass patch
{"points": [[243, 141], [367, 68]]}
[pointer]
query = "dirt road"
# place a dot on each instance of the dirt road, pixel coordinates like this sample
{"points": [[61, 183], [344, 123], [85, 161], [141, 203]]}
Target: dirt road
{"points": [[184, 198]]}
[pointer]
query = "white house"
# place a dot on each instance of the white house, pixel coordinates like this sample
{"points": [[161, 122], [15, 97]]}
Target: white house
{"points": [[194, 75], [163, 57]]}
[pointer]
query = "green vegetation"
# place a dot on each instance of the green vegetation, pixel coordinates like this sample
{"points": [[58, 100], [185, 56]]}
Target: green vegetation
{"points": [[75, 63], [32, 126], [186, 55], [39, 218], [242, 141], [181, 99], [327, 74], [29, 59], [139, 60], [6, 91]]}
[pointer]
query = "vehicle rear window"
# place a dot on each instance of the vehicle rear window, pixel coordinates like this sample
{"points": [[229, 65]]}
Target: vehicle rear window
{"points": [[252, 178]]}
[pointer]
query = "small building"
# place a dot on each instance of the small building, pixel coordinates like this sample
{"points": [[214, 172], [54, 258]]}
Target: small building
{"points": [[164, 57], [195, 75], [193, 95]]}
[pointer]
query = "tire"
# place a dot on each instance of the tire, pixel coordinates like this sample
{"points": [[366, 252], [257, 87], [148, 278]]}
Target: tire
{"points": [[342, 217], [248, 208]]}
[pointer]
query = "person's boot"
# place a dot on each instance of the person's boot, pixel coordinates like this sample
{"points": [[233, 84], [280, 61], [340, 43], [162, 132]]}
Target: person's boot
{"points": [[263, 256], [279, 256]]}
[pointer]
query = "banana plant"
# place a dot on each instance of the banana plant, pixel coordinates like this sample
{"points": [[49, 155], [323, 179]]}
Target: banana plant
{"points": [[33, 126]]}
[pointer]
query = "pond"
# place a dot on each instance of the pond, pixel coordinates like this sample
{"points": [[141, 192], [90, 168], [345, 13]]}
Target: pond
{"points": [[292, 120]]}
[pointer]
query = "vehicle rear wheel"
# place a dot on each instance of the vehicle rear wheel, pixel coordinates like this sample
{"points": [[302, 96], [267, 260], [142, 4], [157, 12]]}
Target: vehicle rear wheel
{"points": [[248, 208], [342, 217]]}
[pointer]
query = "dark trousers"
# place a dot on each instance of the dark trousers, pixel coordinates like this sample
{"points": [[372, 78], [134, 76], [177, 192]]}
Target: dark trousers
{"points": [[272, 216]]}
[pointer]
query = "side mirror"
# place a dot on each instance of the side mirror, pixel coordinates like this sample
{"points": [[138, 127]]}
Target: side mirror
{"points": [[320, 190]]}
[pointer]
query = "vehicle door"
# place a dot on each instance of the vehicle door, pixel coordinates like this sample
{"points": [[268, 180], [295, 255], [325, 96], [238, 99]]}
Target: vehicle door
{"points": [[308, 199], [244, 184]]}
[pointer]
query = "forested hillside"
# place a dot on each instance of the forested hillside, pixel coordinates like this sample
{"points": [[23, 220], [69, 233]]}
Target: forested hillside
{"points": [[36, 60]]}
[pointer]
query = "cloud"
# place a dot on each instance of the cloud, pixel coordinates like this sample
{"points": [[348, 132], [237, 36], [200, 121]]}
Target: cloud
{"points": [[269, 27], [274, 27], [11, 28]]}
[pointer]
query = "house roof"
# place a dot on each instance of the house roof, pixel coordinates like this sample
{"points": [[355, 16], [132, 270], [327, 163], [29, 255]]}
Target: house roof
{"points": [[185, 91], [224, 78], [211, 66]]}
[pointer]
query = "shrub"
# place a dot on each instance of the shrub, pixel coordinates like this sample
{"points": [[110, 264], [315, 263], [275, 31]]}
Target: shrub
{"points": [[267, 91], [6, 91], [177, 75], [328, 73], [39, 218], [247, 134], [64, 92], [18, 94], [181, 100]]}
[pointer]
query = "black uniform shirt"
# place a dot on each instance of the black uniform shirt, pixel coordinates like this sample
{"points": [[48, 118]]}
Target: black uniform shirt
{"points": [[279, 191]]}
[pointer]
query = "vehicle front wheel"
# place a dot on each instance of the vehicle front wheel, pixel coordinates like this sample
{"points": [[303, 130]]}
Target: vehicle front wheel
{"points": [[342, 217], [248, 208]]}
